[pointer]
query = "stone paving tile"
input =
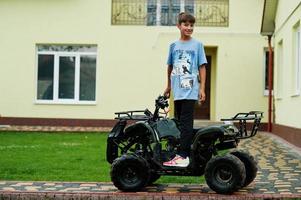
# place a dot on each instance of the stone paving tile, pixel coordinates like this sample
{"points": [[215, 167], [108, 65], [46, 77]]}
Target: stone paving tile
{"points": [[279, 175], [277, 164]]}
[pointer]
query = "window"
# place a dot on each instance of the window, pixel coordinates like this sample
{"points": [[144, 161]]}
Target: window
{"points": [[165, 12], [266, 71], [169, 12], [66, 74], [296, 60], [279, 65]]}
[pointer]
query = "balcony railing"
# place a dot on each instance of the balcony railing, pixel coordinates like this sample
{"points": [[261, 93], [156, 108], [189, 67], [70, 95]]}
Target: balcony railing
{"points": [[165, 12]]}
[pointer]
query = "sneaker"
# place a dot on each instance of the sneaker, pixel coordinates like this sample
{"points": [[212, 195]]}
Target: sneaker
{"points": [[177, 161]]}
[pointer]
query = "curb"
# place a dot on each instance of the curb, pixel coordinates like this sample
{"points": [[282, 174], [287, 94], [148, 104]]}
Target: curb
{"points": [[137, 196]]}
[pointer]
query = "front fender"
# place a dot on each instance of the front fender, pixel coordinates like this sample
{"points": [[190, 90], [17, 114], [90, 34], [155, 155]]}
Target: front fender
{"points": [[112, 142]]}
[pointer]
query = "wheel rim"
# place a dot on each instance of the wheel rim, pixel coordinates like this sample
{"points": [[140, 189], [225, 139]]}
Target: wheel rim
{"points": [[223, 174], [129, 175]]}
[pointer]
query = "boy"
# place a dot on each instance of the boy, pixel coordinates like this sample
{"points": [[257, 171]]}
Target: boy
{"points": [[186, 76]]}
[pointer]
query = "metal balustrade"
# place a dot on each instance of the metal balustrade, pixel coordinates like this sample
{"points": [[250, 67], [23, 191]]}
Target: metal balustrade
{"points": [[165, 12]]}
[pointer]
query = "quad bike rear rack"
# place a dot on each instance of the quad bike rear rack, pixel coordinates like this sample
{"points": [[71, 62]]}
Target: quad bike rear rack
{"points": [[241, 119]]}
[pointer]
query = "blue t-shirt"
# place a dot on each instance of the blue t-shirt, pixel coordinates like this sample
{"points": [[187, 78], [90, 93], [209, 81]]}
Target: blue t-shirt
{"points": [[186, 57]]}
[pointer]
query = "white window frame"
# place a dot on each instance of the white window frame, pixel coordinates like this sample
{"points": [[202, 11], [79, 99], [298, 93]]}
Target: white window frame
{"points": [[279, 64], [182, 5], [158, 15], [56, 99], [296, 60]]}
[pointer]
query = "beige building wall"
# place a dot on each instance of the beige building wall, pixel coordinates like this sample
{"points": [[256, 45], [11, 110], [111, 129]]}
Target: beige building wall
{"points": [[287, 101], [131, 65]]}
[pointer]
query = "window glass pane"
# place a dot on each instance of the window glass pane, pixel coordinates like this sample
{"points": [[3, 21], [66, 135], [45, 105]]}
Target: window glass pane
{"points": [[298, 62], [175, 10], [66, 77], [189, 6], [280, 69], [164, 12], [296, 54], [45, 76], [87, 77], [151, 12], [267, 70], [169, 12]]}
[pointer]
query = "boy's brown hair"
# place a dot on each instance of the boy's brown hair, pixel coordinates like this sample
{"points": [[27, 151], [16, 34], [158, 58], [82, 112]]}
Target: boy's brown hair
{"points": [[184, 17]]}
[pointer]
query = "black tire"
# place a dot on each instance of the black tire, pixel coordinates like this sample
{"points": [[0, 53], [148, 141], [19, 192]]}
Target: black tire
{"points": [[225, 174], [250, 165], [153, 177], [130, 173]]}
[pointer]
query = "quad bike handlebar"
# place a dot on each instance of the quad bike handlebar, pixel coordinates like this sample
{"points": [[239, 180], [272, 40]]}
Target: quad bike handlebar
{"points": [[241, 119], [142, 115]]}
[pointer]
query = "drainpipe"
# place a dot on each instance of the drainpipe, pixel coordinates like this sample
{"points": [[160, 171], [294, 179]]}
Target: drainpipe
{"points": [[270, 83]]}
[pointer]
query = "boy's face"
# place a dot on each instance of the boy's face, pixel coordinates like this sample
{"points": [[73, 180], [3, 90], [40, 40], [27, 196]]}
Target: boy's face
{"points": [[186, 28]]}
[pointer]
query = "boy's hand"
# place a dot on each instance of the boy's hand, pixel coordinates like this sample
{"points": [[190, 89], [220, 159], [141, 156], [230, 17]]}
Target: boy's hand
{"points": [[167, 92], [202, 97]]}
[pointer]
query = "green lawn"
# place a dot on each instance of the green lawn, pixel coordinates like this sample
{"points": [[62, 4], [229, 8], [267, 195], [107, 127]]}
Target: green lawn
{"points": [[60, 157]]}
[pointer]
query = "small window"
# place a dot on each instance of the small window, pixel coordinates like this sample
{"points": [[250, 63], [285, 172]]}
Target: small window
{"points": [[168, 11], [66, 74], [266, 71], [279, 68], [296, 60]]}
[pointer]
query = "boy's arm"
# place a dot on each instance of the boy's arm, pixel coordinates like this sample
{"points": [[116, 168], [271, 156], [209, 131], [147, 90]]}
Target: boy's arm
{"points": [[168, 88], [202, 75]]}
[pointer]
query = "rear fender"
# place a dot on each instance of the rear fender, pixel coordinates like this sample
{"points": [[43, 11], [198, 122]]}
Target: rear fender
{"points": [[203, 146], [209, 134]]}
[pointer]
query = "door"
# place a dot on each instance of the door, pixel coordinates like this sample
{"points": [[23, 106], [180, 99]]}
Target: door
{"points": [[203, 111]]}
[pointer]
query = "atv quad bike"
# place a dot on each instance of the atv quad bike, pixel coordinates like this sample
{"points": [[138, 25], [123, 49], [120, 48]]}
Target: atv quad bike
{"points": [[137, 150]]}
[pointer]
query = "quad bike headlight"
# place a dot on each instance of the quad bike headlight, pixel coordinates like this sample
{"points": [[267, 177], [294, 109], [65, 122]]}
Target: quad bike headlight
{"points": [[228, 122]]}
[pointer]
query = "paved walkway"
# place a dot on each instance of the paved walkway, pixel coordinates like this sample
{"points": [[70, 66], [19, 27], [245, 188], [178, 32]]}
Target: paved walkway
{"points": [[279, 176]]}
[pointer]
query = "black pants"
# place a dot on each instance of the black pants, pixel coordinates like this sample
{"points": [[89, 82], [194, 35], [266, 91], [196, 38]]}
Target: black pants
{"points": [[184, 110]]}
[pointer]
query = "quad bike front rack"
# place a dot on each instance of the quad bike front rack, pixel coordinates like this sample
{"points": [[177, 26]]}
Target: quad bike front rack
{"points": [[241, 119], [138, 115]]}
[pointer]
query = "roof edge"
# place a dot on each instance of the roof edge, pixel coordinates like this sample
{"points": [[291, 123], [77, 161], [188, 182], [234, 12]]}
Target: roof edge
{"points": [[268, 17]]}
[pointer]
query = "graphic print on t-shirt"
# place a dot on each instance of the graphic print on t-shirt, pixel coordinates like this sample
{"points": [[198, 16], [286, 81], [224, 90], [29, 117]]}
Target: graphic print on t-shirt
{"points": [[183, 68], [186, 82]]}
